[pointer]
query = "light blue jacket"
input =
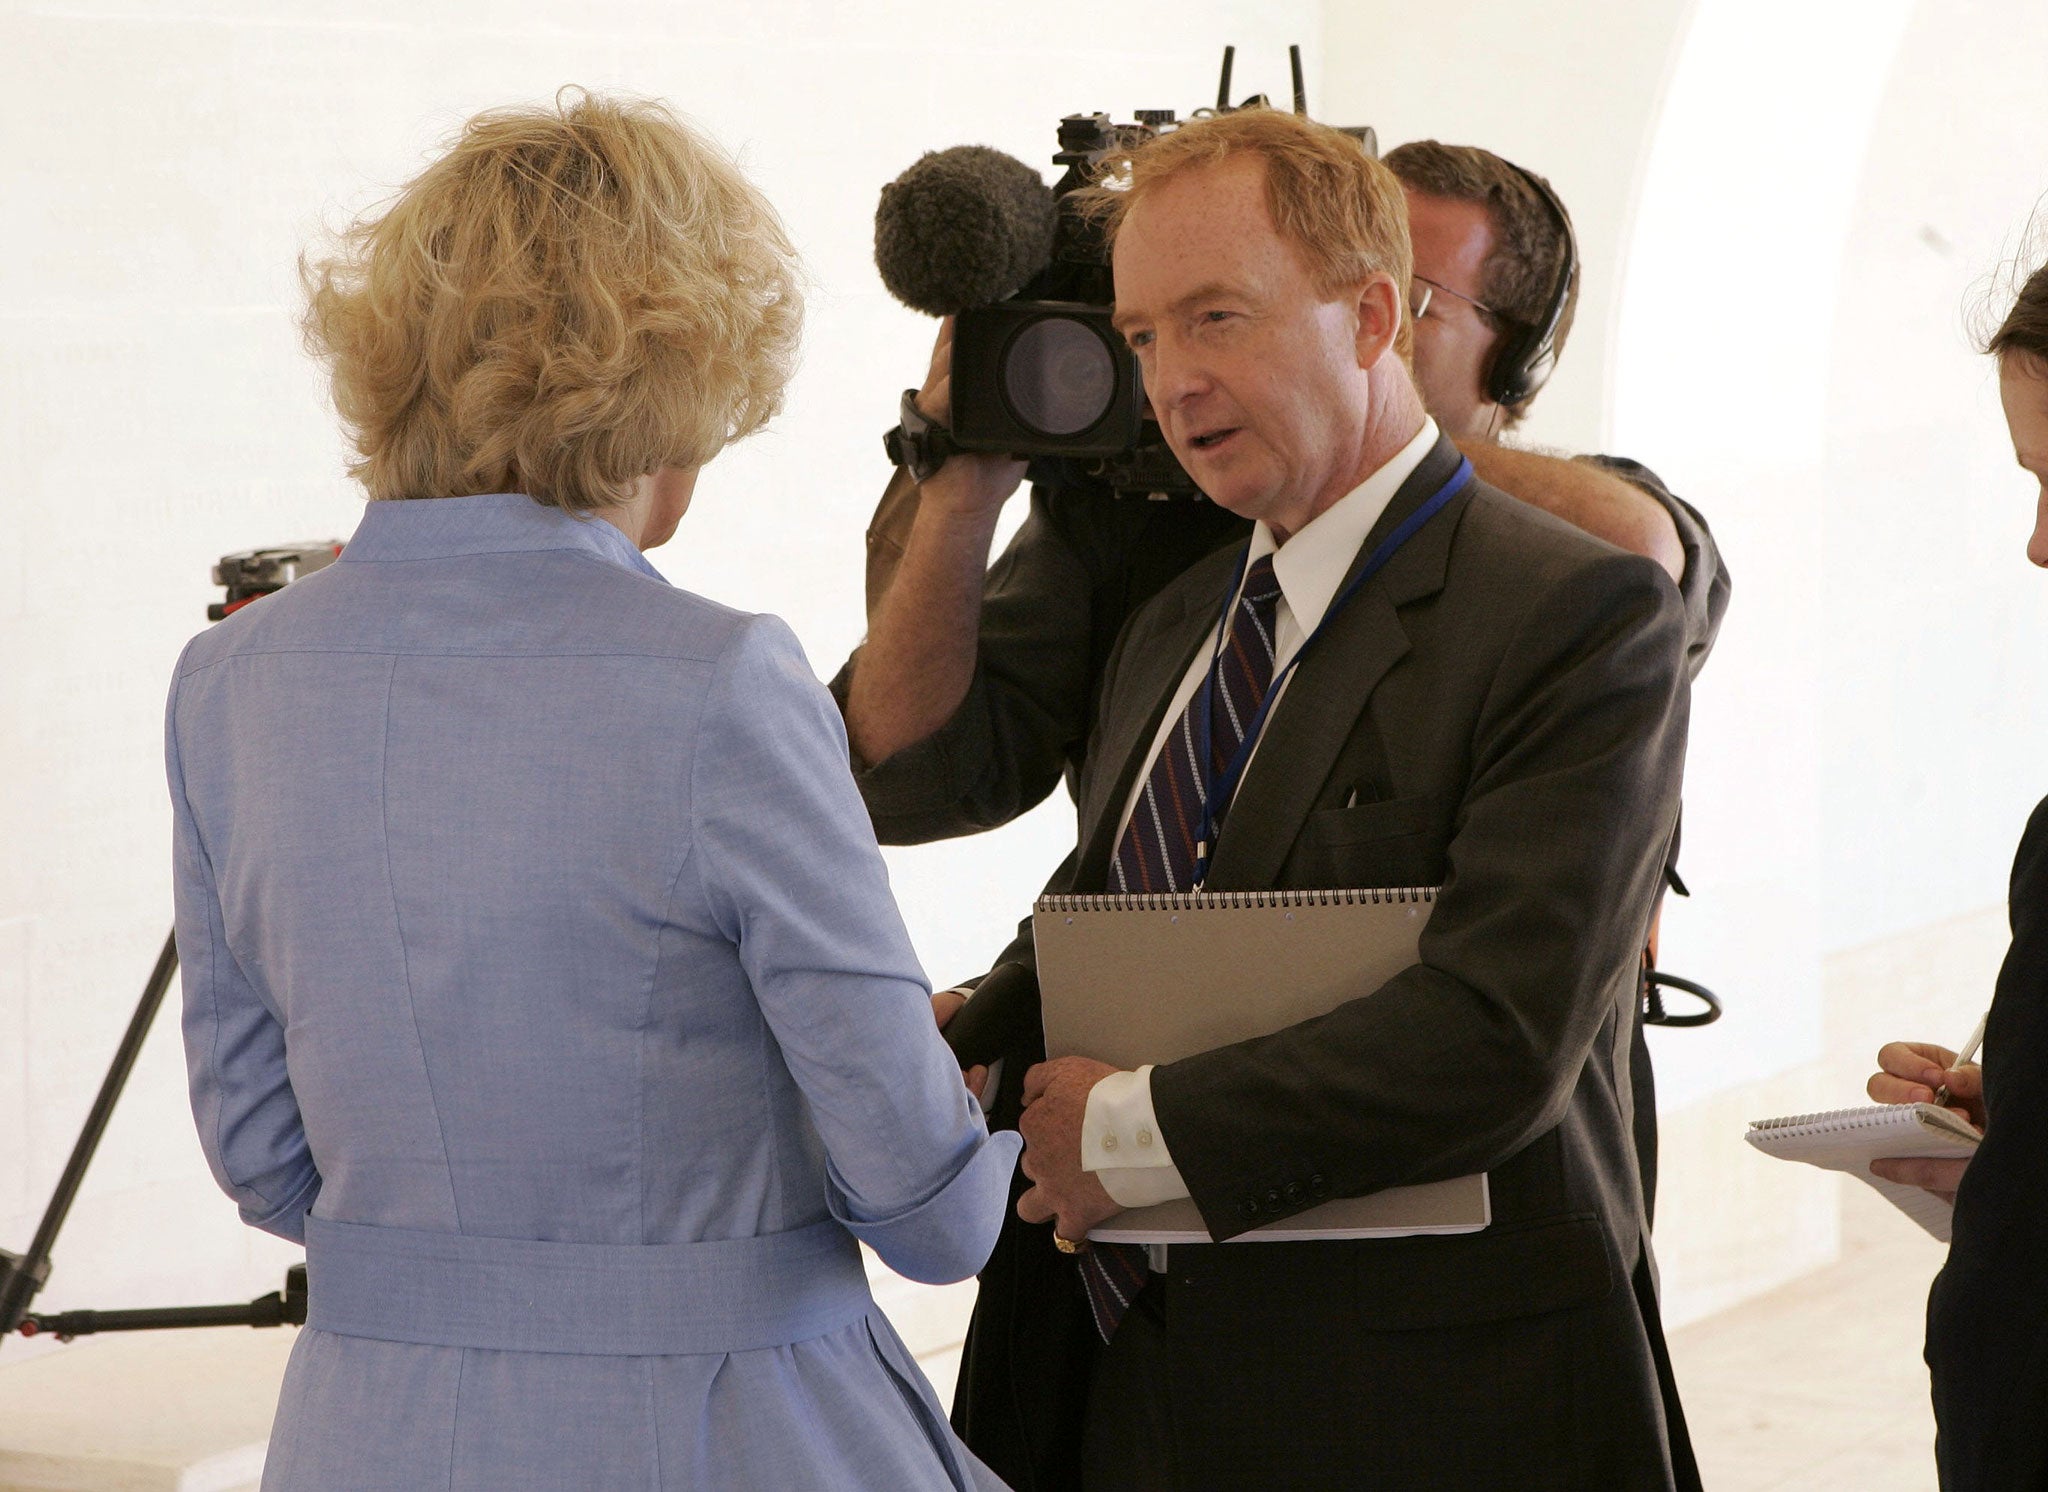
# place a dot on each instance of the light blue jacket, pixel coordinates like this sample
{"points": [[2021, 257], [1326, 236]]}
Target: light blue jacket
{"points": [[541, 973]]}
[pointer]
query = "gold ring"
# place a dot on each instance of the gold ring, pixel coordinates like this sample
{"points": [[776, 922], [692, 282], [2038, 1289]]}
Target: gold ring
{"points": [[1065, 1245]]}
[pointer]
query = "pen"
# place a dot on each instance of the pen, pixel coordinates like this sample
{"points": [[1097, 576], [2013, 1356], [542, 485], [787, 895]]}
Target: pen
{"points": [[1969, 1050]]}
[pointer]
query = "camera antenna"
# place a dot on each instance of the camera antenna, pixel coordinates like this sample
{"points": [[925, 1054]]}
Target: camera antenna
{"points": [[1223, 88], [1300, 91]]}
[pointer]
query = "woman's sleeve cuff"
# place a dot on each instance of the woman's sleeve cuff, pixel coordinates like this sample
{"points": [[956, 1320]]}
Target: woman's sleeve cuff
{"points": [[950, 1234]]}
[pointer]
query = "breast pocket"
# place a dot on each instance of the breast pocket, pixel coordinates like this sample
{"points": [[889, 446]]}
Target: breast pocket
{"points": [[1397, 842]]}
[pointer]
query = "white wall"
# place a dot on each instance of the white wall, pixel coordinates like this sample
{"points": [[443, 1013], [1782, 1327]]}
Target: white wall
{"points": [[1824, 209], [162, 166], [1784, 209], [1571, 92], [1737, 421]]}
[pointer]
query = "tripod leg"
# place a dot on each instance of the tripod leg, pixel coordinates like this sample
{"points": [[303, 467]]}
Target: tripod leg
{"points": [[21, 1278]]}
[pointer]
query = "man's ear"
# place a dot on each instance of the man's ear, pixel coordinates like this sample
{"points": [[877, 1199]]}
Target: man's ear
{"points": [[1377, 304]]}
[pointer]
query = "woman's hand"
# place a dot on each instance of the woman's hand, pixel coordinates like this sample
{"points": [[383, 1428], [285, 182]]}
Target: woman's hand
{"points": [[1911, 1072], [946, 1004]]}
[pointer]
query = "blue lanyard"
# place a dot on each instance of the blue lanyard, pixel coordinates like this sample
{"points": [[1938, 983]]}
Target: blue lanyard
{"points": [[1225, 784]]}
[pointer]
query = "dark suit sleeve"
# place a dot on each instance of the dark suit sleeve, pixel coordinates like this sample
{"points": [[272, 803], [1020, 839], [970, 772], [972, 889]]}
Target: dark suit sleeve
{"points": [[1705, 586], [1004, 750], [1462, 1059], [1987, 1318]]}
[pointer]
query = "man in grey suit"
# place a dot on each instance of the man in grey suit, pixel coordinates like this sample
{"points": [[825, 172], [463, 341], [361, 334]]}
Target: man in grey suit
{"points": [[1434, 684]]}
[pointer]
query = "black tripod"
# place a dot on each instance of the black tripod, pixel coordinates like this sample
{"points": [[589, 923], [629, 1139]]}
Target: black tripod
{"points": [[248, 576], [22, 1275]]}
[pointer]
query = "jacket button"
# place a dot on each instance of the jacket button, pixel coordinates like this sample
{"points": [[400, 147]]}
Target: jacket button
{"points": [[1273, 1200], [1296, 1194], [1248, 1208], [1318, 1187]]}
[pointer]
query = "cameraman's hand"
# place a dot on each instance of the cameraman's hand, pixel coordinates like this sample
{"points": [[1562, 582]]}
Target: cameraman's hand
{"points": [[967, 485], [935, 399]]}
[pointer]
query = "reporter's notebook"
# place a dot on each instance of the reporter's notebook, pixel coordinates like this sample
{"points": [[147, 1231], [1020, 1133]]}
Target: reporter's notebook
{"points": [[1137, 979], [1848, 1140]]}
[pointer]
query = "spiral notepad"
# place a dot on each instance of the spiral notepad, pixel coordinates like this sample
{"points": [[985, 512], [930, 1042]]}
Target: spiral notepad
{"points": [[1154, 978], [1848, 1140]]}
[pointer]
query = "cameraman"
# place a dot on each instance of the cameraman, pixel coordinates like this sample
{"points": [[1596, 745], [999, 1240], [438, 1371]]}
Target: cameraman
{"points": [[975, 690]]}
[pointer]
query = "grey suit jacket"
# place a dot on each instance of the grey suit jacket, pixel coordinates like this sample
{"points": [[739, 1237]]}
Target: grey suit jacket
{"points": [[1501, 711]]}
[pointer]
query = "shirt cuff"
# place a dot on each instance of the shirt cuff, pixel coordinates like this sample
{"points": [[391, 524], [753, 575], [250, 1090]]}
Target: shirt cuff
{"points": [[1129, 1187], [1121, 1142]]}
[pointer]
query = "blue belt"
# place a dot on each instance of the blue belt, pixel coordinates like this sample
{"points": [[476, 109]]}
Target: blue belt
{"points": [[523, 1295]]}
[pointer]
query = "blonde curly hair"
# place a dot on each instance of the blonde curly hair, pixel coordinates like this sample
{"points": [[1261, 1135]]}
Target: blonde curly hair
{"points": [[570, 298]]}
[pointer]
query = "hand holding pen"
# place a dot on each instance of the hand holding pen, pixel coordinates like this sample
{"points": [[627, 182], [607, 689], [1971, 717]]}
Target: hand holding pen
{"points": [[1969, 1051], [1921, 1072]]}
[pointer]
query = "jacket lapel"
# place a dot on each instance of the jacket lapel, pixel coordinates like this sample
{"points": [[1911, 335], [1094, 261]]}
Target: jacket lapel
{"points": [[1320, 709]]}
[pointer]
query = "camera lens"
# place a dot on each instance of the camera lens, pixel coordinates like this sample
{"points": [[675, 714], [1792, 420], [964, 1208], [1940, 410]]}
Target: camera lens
{"points": [[1058, 376]]}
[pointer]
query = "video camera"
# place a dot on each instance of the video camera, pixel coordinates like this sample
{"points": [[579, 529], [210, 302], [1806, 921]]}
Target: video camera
{"points": [[1038, 371]]}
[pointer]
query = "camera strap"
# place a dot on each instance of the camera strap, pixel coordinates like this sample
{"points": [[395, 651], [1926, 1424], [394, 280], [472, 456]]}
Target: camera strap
{"points": [[918, 444]]}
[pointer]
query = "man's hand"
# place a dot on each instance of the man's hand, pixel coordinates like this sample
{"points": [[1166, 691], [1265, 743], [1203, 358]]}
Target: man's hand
{"points": [[923, 628], [1911, 1071], [1055, 1103], [1601, 503], [936, 397], [1938, 1176], [967, 485]]}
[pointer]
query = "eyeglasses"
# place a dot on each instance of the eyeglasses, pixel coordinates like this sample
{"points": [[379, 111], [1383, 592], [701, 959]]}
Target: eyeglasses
{"points": [[1422, 291]]}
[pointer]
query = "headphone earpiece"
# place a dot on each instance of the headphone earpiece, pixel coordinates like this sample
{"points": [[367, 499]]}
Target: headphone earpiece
{"points": [[1527, 351]]}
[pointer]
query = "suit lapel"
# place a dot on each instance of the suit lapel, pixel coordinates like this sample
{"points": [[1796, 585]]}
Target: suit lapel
{"points": [[1320, 709]]}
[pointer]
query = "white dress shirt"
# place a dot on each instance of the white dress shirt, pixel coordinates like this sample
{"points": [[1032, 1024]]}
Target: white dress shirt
{"points": [[1120, 1138]]}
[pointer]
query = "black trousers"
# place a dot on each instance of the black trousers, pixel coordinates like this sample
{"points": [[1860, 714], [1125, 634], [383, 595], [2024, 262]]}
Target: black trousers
{"points": [[1130, 1441]]}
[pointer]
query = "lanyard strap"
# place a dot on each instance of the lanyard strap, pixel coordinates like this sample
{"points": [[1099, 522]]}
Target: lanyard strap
{"points": [[1225, 784]]}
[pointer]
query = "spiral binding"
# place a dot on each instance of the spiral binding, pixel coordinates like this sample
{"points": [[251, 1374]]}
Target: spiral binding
{"points": [[1866, 1116], [1234, 901], [1861, 1117]]}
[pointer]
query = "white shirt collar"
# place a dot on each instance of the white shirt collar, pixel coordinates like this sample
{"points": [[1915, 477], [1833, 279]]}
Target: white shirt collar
{"points": [[1311, 565]]}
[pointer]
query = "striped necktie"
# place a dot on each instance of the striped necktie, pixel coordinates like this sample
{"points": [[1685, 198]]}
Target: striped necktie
{"points": [[1158, 848]]}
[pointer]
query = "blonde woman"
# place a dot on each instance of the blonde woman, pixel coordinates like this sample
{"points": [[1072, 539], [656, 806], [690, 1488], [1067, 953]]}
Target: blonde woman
{"points": [[540, 969]]}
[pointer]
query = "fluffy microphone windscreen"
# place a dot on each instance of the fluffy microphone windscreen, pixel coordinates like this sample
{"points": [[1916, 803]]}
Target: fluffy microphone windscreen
{"points": [[962, 227]]}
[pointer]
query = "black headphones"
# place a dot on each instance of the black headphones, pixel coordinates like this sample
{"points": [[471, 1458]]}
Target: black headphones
{"points": [[1528, 349]]}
